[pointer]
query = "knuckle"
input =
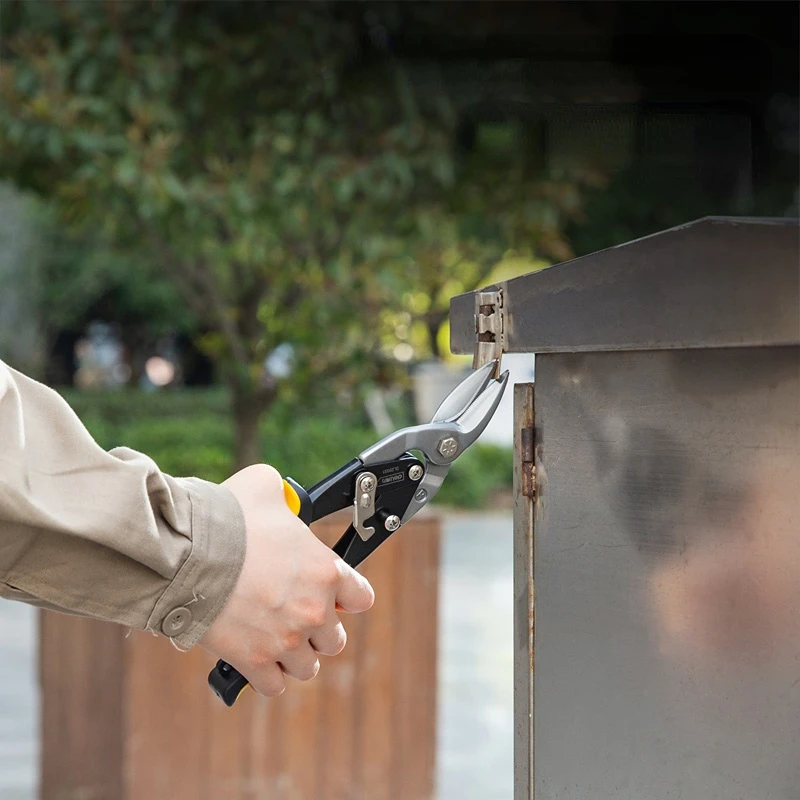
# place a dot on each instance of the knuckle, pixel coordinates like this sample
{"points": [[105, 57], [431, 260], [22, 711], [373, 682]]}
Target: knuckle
{"points": [[315, 614], [309, 672], [328, 573], [269, 680], [361, 593], [273, 688], [369, 593], [261, 655], [331, 642], [292, 641], [264, 473], [269, 472], [267, 479], [340, 641]]}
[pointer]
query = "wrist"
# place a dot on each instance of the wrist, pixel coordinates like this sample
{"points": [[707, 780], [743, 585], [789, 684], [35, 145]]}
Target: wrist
{"points": [[202, 586]]}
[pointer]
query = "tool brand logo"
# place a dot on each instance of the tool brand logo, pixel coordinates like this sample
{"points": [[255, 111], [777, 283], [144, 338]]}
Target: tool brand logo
{"points": [[393, 476]]}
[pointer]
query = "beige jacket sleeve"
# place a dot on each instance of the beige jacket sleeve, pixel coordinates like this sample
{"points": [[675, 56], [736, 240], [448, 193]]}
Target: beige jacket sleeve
{"points": [[107, 535]]}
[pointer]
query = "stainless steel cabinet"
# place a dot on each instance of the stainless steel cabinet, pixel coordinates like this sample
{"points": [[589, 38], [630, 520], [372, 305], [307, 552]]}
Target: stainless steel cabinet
{"points": [[657, 566]]}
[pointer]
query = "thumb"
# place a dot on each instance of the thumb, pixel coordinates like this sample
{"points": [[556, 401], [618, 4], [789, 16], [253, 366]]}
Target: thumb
{"points": [[355, 593], [259, 482]]}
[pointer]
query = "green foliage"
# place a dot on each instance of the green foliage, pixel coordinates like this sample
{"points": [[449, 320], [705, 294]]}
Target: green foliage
{"points": [[190, 433], [119, 407], [264, 174], [196, 144], [21, 280], [474, 478], [267, 162]]}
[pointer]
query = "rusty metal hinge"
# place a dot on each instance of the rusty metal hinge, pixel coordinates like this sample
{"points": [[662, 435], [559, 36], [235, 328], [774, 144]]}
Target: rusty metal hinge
{"points": [[489, 327], [528, 457]]}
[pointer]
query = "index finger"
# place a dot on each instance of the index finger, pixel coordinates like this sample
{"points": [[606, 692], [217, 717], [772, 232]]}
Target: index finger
{"points": [[355, 594]]}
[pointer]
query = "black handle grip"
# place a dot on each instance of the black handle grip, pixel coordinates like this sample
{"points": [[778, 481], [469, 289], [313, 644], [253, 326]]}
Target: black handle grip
{"points": [[226, 682]]}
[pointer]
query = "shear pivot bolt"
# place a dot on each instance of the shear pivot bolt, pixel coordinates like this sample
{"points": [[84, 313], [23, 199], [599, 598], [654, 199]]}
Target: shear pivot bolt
{"points": [[415, 472], [367, 483], [392, 522], [448, 447]]}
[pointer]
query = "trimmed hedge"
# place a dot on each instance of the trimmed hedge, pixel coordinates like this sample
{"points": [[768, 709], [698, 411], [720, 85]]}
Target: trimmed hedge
{"points": [[190, 432]]}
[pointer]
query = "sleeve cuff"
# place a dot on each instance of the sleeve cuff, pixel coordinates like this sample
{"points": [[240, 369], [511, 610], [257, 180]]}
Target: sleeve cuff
{"points": [[205, 581]]}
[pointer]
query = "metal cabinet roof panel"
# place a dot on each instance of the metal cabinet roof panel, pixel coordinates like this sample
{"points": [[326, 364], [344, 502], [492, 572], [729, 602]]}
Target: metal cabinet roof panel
{"points": [[715, 282]]}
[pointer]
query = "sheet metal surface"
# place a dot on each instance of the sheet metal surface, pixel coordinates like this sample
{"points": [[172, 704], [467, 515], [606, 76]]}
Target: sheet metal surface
{"points": [[716, 282], [667, 575]]}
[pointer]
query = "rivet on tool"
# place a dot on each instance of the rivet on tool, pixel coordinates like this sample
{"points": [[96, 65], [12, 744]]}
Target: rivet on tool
{"points": [[448, 447], [392, 522], [415, 472], [420, 495], [367, 483]]}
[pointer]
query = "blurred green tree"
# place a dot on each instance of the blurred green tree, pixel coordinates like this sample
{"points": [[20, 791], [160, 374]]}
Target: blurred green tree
{"points": [[269, 162], [500, 216], [21, 271]]}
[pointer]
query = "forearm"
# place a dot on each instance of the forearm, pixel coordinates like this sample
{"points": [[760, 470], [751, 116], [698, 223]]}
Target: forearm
{"points": [[107, 534]]}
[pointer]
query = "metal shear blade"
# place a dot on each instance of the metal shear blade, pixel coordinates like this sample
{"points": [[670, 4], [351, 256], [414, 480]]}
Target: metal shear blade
{"points": [[464, 395], [458, 422]]}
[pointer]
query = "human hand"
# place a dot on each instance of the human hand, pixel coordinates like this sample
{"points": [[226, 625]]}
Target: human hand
{"points": [[282, 612]]}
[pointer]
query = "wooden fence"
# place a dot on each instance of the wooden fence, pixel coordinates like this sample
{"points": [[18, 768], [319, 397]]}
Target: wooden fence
{"points": [[130, 718]]}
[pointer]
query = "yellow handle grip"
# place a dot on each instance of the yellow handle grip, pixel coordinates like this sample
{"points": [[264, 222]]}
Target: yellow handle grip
{"points": [[292, 498], [294, 503]]}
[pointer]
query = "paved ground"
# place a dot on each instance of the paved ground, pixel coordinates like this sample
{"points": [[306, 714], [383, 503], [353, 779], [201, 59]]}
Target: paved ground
{"points": [[475, 674], [475, 752], [19, 747]]}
